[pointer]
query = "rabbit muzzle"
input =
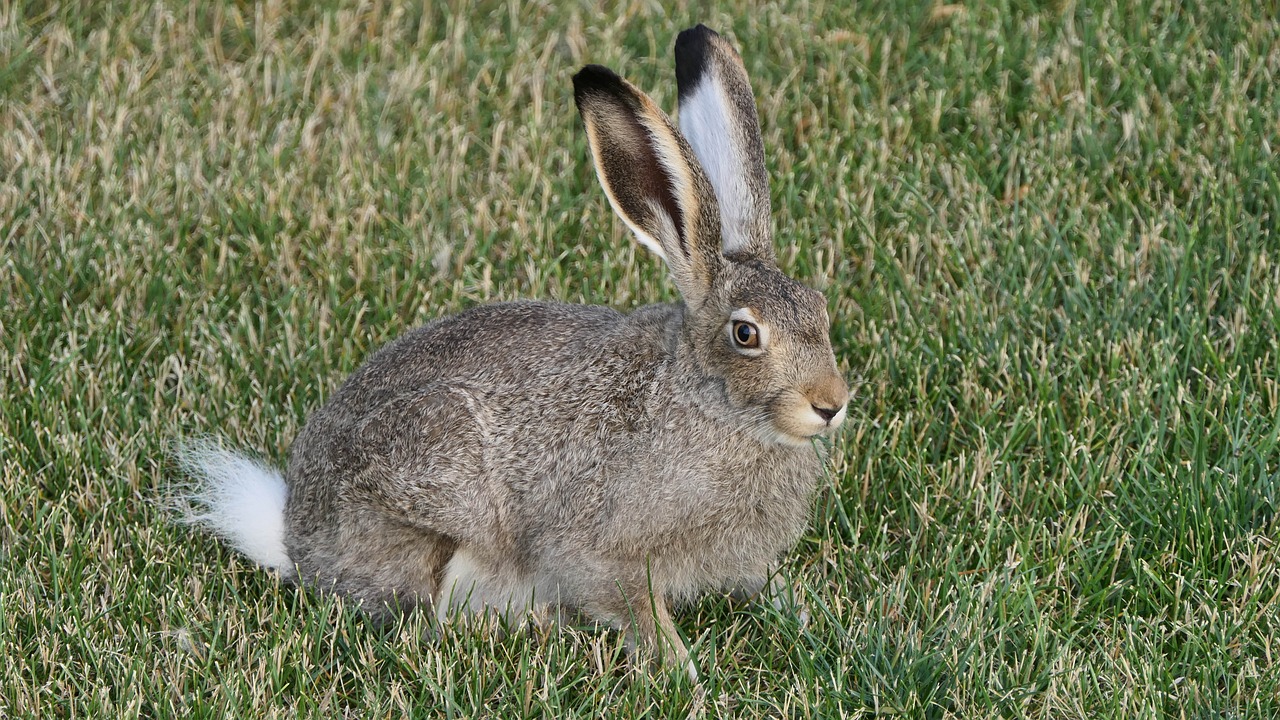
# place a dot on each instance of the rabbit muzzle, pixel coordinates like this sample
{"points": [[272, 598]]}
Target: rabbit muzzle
{"points": [[817, 409]]}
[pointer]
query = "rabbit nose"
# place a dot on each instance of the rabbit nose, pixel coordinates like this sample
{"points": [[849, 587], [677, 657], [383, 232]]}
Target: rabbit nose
{"points": [[828, 397], [826, 413]]}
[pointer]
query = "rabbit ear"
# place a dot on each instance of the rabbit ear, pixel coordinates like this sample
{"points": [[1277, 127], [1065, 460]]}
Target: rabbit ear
{"points": [[652, 178], [718, 117]]}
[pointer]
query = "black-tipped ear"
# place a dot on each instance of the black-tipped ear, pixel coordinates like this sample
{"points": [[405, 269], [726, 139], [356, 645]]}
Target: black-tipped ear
{"points": [[651, 177], [693, 47], [718, 118]]}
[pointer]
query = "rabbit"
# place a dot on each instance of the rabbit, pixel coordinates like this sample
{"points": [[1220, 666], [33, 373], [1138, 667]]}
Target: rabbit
{"points": [[537, 457]]}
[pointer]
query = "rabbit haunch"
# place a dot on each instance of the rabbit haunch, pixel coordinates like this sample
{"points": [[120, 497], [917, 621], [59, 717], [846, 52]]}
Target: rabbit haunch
{"points": [[567, 458]]}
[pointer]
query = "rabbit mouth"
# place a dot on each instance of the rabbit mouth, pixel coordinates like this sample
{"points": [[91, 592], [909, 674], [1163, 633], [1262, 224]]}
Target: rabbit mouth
{"points": [[797, 421]]}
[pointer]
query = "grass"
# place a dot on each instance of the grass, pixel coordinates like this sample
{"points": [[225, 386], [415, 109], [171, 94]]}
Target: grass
{"points": [[1048, 236]]}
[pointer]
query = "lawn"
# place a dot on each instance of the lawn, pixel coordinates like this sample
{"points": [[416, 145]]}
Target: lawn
{"points": [[1047, 233]]}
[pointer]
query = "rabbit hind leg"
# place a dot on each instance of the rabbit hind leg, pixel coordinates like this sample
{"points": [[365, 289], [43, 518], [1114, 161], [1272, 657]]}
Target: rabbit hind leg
{"points": [[387, 567], [475, 587]]}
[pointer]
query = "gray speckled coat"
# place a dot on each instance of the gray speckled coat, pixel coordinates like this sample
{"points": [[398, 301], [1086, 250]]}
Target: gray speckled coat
{"points": [[527, 456]]}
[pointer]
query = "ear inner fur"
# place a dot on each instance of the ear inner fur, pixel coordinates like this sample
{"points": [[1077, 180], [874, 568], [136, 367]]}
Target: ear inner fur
{"points": [[652, 178], [718, 118], [637, 185]]}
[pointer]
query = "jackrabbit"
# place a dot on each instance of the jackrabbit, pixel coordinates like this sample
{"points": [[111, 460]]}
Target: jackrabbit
{"points": [[542, 457]]}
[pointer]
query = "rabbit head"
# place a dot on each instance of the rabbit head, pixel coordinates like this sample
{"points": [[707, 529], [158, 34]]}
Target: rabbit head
{"points": [[699, 198]]}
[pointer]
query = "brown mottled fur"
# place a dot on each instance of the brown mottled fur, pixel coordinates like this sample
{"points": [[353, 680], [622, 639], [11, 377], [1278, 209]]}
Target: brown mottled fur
{"points": [[530, 455]]}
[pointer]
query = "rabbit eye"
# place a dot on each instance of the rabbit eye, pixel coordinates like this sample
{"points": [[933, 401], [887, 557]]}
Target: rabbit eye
{"points": [[746, 335]]}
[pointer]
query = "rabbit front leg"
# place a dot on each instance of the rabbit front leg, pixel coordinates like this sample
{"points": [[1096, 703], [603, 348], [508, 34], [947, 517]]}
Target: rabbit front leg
{"points": [[654, 634], [651, 634]]}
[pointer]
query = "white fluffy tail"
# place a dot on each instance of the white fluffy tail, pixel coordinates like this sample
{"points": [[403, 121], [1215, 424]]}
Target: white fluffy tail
{"points": [[238, 499]]}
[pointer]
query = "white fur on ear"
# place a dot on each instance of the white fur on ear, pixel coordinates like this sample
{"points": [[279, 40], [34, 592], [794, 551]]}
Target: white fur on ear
{"points": [[642, 236], [718, 119], [705, 121]]}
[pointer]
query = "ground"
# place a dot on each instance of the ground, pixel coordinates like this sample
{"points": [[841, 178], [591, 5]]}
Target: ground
{"points": [[1047, 232]]}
